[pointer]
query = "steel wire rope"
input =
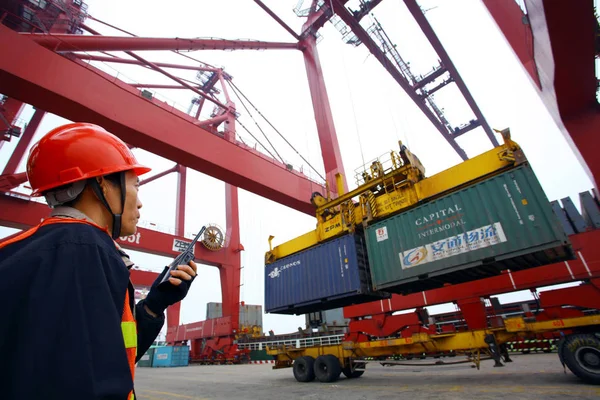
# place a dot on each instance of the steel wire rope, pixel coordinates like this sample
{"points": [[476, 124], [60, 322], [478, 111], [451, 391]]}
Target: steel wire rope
{"points": [[231, 84], [275, 129], [254, 137], [257, 125], [341, 51]]}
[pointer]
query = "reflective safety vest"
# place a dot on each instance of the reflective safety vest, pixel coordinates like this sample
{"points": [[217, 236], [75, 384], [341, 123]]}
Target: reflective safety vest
{"points": [[128, 324]]}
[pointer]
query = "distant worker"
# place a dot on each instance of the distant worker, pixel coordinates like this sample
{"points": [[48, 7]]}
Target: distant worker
{"points": [[70, 327]]}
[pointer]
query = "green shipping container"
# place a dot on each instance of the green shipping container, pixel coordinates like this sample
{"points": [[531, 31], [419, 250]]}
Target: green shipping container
{"points": [[147, 358], [504, 222]]}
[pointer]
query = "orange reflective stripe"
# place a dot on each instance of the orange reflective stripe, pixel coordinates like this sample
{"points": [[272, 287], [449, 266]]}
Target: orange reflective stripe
{"points": [[129, 328], [48, 221]]}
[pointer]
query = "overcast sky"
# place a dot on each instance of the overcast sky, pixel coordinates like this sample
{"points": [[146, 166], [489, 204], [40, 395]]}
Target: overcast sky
{"points": [[371, 113]]}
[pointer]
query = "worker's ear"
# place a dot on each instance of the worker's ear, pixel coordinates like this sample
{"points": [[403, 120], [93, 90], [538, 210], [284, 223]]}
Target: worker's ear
{"points": [[104, 185]]}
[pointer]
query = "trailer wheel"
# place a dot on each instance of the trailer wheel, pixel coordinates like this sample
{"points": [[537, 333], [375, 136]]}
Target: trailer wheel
{"points": [[581, 353], [327, 368], [352, 374], [304, 369]]}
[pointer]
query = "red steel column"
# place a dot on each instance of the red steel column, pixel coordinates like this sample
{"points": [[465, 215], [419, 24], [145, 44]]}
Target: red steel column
{"points": [[231, 269], [24, 141], [173, 313], [330, 148], [180, 206], [230, 272]]}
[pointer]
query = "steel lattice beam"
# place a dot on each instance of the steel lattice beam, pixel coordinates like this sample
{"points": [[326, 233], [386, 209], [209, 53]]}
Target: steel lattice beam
{"points": [[79, 92], [418, 15], [365, 38]]}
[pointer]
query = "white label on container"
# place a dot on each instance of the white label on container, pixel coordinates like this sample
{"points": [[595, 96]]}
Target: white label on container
{"points": [[475, 239], [162, 356], [381, 234]]}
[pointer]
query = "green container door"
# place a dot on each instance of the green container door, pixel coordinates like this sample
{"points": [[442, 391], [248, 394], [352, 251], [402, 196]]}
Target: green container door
{"points": [[146, 359], [260, 355], [505, 222]]}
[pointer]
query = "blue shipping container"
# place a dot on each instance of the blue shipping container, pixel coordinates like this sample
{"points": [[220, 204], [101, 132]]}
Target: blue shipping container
{"points": [[330, 275], [171, 356]]}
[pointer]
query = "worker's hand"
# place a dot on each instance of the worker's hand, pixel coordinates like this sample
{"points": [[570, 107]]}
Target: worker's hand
{"points": [[183, 272], [161, 297]]}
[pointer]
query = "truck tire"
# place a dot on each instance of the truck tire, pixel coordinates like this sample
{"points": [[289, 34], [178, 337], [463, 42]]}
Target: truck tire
{"points": [[327, 368], [581, 353], [347, 371], [304, 369]]}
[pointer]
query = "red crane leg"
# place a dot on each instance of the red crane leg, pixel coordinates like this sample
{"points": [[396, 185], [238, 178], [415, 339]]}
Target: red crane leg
{"points": [[180, 206], [330, 148], [173, 314], [24, 142], [231, 269]]}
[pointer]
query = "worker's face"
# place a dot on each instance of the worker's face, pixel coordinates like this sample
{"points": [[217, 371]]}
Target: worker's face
{"points": [[130, 213]]}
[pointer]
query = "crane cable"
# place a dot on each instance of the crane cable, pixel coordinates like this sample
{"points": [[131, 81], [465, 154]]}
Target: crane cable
{"points": [[253, 137], [258, 126], [234, 87], [341, 51]]}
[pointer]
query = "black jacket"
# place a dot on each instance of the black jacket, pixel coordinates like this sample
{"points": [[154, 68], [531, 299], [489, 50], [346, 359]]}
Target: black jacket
{"points": [[62, 293]]}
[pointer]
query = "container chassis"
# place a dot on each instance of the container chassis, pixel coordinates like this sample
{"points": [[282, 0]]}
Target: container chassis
{"points": [[568, 316]]}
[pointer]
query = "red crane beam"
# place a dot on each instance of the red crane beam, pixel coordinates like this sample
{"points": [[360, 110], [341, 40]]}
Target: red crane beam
{"points": [[586, 266], [330, 148], [80, 92], [561, 57], [180, 206], [509, 17], [276, 18], [120, 43], [19, 213]]}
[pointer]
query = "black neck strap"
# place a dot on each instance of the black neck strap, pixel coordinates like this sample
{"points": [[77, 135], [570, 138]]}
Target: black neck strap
{"points": [[116, 218]]}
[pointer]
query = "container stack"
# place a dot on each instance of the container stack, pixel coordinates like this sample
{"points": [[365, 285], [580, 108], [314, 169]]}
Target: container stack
{"points": [[165, 356]]}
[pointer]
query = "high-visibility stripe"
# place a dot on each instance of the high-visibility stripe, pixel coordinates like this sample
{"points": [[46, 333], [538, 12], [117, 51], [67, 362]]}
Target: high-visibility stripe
{"points": [[48, 221], [129, 334]]}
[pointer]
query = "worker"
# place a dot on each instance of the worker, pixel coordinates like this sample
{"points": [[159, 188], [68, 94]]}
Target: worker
{"points": [[70, 327]]}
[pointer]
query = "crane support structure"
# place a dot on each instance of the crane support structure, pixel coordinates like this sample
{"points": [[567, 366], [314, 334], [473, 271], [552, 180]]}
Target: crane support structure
{"points": [[77, 91]]}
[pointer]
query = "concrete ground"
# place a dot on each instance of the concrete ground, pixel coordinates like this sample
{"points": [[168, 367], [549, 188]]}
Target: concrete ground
{"points": [[535, 376]]}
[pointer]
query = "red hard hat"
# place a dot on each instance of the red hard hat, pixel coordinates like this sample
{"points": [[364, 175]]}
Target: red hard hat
{"points": [[76, 152]]}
